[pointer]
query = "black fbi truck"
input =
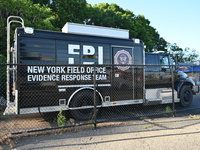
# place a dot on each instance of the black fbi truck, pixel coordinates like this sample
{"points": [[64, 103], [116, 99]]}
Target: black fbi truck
{"points": [[50, 70]]}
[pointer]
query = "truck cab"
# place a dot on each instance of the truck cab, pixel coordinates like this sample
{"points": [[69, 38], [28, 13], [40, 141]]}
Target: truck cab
{"points": [[158, 70], [161, 72]]}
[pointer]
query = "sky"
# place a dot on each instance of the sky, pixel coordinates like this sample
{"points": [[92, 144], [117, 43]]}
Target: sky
{"points": [[177, 21]]}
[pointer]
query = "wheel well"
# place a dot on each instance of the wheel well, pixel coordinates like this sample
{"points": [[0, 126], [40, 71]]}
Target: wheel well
{"points": [[81, 90]]}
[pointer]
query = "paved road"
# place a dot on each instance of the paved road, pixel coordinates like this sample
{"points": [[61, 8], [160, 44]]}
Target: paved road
{"points": [[181, 133], [192, 108], [152, 134]]}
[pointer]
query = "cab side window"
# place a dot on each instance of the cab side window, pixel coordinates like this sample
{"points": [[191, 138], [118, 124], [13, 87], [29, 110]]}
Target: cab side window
{"points": [[164, 61], [151, 61]]}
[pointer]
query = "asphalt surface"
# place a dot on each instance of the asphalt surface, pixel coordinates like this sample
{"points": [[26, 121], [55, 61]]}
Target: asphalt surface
{"points": [[192, 109], [181, 133], [159, 133]]}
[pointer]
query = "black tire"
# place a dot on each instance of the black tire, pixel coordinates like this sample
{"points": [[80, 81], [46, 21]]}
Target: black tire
{"points": [[186, 96], [84, 98]]}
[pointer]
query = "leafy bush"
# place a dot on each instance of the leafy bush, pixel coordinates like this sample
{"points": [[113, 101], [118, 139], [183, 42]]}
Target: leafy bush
{"points": [[61, 120]]}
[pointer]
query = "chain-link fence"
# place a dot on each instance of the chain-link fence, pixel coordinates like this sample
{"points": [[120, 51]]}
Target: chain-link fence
{"points": [[45, 97]]}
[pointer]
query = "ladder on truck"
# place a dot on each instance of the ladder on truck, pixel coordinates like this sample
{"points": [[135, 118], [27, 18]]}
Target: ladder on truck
{"points": [[11, 106]]}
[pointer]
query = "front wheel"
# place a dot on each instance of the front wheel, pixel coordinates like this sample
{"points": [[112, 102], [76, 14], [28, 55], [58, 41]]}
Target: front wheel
{"points": [[186, 96], [84, 98]]}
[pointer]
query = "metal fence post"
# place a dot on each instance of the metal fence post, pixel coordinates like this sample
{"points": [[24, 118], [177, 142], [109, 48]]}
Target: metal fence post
{"points": [[173, 104], [95, 107]]}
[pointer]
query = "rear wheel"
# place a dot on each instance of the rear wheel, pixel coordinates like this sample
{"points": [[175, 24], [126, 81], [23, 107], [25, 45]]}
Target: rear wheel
{"points": [[84, 98], [186, 96]]}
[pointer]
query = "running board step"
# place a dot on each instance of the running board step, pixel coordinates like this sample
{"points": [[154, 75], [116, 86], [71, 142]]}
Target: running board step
{"points": [[160, 96]]}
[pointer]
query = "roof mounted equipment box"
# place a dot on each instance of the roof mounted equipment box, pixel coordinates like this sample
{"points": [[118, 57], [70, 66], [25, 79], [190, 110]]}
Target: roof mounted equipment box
{"points": [[95, 30]]}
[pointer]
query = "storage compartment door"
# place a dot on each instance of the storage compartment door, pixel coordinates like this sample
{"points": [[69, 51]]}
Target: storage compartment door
{"points": [[123, 74]]}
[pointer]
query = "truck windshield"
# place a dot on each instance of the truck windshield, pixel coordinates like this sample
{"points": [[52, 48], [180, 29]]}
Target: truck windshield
{"points": [[171, 61]]}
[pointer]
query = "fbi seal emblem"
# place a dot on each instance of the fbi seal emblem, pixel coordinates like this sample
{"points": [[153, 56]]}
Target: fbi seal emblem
{"points": [[123, 58]]}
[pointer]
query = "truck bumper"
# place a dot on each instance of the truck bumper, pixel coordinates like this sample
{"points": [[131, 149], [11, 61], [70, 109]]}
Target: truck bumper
{"points": [[195, 89]]}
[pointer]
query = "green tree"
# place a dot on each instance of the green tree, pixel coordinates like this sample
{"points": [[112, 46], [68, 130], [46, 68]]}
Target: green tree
{"points": [[174, 50], [183, 55], [53, 14], [112, 15], [42, 2], [161, 44], [142, 29], [34, 15], [69, 11], [190, 55]]}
